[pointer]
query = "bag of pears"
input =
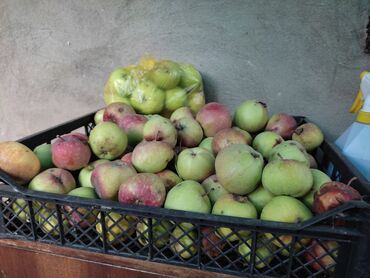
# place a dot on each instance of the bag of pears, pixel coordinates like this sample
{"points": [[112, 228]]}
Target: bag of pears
{"points": [[156, 86]]}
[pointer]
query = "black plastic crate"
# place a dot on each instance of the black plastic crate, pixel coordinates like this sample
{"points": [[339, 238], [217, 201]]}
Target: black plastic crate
{"points": [[269, 249]]}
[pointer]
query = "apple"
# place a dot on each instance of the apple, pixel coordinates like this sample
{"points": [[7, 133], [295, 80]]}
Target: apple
{"points": [[333, 194], [234, 205], [53, 180], [282, 124], [227, 137], [213, 188], [196, 98], [84, 177], [118, 227], [161, 231], [169, 178], [133, 125], [147, 98], [265, 141], [142, 189], [108, 140], [288, 210], [190, 76], [260, 197], [116, 112], [245, 133], [213, 117], [175, 98], [322, 255], [82, 216], [107, 177], [18, 161], [207, 144], [195, 164], [309, 135], [313, 163], [263, 254], [188, 196], [251, 116], [212, 244], [287, 177], [21, 210], [120, 86], [127, 158], [152, 156], [319, 178], [43, 152], [289, 150], [47, 220], [99, 116], [71, 151], [182, 112], [165, 74], [158, 128], [190, 133], [239, 168], [183, 244]]}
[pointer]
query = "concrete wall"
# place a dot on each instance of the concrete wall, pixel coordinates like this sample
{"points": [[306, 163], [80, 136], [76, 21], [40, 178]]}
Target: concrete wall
{"points": [[303, 57]]}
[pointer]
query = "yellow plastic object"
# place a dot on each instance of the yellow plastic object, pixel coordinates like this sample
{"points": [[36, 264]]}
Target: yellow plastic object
{"points": [[363, 117], [358, 103]]}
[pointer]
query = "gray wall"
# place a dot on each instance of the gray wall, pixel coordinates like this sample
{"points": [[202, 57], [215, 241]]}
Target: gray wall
{"points": [[303, 57]]}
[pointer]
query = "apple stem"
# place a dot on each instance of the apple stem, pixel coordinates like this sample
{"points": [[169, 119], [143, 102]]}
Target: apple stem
{"points": [[351, 180]]}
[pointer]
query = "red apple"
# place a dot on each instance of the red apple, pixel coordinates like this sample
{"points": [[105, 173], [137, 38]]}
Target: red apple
{"points": [[127, 158], [133, 125], [282, 124], [116, 111], [333, 194], [143, 189], [227, 137], [71, 151], [214, 117], [169, 178]]}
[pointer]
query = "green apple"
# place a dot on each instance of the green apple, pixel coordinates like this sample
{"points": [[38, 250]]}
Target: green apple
{"points": [[53, 180], [319, 178], [190, 132], [175, 98], [260, 197], [183, 245], [107, 140], [196, 98], [119, 86], [160, 232], [152, 156], [47, 220], [84, 177], [118, 227], [234, 205], [43, 153], [169, 178], [239, 168], [21, 209], [287, 177], [263, 254], [188, 196], [182, 112], [195, 164], [289, 150], [190, 76], [288, 210], [83, 192], [265, 141], [251, 116], [98, 117], [309, 135], [147, 98], [213, 188], [207, 144], [165, 74]]}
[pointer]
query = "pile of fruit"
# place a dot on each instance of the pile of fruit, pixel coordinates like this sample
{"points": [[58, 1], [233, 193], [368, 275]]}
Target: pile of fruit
{"points": [[158, 144]]}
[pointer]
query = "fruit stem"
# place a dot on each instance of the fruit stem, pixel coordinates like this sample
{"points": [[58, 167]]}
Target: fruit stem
{"points": [[351, 180]]}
